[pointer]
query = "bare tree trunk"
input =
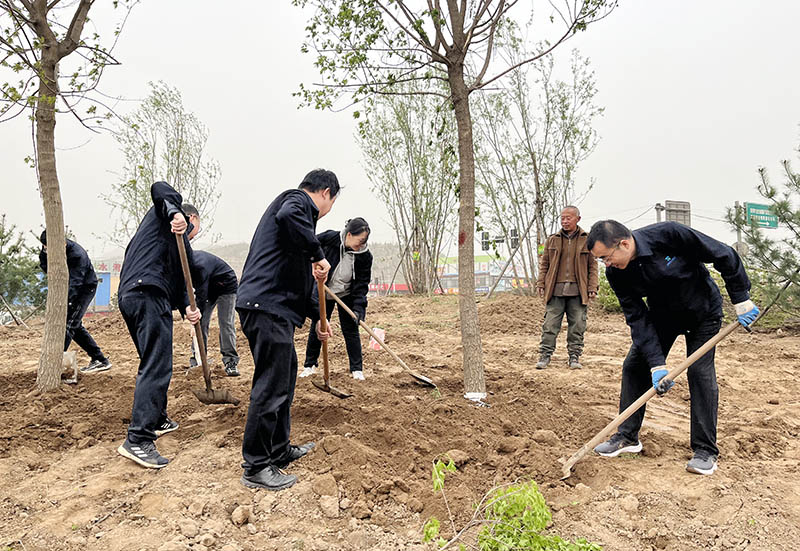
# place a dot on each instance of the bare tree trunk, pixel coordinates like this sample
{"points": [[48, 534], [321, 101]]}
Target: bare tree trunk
{"points": [[474, 381], [48, 376]]}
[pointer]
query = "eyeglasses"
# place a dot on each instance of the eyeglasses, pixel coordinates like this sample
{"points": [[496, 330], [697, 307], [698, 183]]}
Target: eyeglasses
{"points": [[606, 258]]}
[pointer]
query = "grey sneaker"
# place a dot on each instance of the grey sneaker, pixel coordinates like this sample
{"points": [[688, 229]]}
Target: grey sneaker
{"points": [[231, 370], [702, 462], [574, 362], [293, 453], [270, 478], [167, 426], [544, 359], [145, 454], [616, 445], [96, 366]]}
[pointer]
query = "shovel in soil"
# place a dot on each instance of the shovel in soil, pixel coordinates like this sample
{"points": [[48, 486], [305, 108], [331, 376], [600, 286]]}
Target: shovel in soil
{"points": [[323, 323], [420, 378], [618, 420], [207, 395]]}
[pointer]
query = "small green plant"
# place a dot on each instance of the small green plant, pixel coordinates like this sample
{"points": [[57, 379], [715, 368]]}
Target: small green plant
{"points": [[436, 394], [440, 468], [517, 516], [513, 517], [606, 298]]}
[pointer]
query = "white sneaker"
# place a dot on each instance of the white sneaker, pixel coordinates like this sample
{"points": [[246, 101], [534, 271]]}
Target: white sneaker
{"points": [[358, 375], [308, 371]]}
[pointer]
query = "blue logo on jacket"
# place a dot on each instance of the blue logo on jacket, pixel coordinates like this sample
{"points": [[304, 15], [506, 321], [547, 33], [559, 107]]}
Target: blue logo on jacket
{"points": [[669, 259]]}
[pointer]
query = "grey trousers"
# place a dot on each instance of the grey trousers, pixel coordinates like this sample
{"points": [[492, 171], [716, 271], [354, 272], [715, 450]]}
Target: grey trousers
{"points": [[226, 314], [576, 322]]}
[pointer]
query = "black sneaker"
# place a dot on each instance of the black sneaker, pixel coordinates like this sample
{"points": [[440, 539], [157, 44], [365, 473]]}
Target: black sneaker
{"points": [[574, 362], [270, 478], [145, 454], [231, 370], [293, 453], [616, 445], [543, 362], [703, 462], [96, 366], [167, 426]]}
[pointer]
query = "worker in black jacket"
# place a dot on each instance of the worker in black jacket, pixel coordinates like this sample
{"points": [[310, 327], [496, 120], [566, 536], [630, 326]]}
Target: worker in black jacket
{"points": [[351, 271], [665, 263], [82, 287], [217, 287], [275, 296], [151, 286]]}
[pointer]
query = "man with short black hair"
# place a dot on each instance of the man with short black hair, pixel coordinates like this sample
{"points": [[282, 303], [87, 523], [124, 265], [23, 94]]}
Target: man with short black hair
{"points": [[567, 282], [665, 263], [275, 296], [151, 286], [82, 287]]}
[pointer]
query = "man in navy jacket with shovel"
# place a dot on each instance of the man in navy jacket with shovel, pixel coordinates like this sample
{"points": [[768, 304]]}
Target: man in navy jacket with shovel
{"points": [[275, 296], [665, 263], [151, 286]]}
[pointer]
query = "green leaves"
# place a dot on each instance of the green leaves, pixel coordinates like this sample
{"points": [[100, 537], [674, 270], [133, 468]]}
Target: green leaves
{"points": [[440, 469]]}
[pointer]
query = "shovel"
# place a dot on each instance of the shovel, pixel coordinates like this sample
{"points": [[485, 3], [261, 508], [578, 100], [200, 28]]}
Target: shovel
{"points": [[420, 378], [619, 419], [208, 395], [727, 330], [323, 324]]}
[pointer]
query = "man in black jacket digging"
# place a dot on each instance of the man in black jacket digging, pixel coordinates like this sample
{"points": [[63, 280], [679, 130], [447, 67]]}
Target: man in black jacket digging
{"points": [[217, 288], [275, 297], [151, 286], [666, 264], [82, 287]]}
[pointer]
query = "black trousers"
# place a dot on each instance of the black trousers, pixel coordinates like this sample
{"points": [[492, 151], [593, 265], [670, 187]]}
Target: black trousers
{"points": [[148, 315], [703, 390], [266, 432], [352, 339], [76, 309]]}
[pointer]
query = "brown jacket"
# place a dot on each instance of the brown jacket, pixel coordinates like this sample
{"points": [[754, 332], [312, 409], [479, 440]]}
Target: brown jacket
{"points": [[585, 266]]}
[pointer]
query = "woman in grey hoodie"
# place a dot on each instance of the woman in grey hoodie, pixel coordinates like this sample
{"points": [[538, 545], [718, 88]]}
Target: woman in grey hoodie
{"points": [[349, 277]]}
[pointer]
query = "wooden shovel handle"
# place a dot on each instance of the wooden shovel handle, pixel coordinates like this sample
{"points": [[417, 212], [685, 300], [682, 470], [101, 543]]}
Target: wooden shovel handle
{"points": [[618, 420], [366, 328], [323, 327], [187, 277]]}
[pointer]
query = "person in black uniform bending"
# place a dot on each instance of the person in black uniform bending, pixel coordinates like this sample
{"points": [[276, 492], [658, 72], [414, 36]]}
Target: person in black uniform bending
{"points": [[217, 287], [82, 287], [151, 286], [275, 296], [351, 271], [665, 263]]}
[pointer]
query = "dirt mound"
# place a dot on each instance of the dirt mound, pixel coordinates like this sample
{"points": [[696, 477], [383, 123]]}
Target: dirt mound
{"points": [[367, 485]]}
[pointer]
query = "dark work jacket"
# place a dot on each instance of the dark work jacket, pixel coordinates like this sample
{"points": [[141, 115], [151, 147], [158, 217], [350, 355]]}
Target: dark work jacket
{"points": [[277, 274], [217, 278], [81, 271], [151, 258], [331, 242], [669, 271]]}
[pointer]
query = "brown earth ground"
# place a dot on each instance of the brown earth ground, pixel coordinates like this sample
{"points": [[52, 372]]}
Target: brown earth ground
{"points": [[367, 485]]}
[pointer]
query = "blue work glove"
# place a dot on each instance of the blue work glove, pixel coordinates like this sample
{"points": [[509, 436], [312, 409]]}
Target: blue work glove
{"points": [[659, 373], [747, 312]]}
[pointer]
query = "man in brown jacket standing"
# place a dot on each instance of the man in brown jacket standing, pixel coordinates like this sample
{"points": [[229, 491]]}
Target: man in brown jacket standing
{"points": [[567, 281]]}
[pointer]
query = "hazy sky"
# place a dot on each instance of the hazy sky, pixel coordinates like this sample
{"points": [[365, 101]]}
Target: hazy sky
{"points": [[697, 96]]}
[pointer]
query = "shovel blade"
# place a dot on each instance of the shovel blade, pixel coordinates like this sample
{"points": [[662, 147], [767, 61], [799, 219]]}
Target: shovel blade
{"points": [[215, 396], [422, 379], [325, 387]]}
